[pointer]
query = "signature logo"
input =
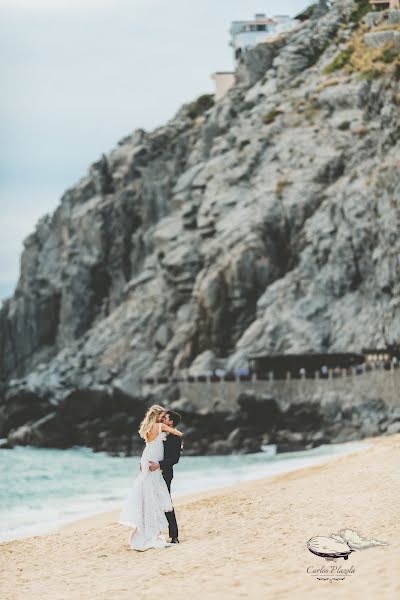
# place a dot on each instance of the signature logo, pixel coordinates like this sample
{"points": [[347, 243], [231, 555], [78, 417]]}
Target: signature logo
{"points": [[334, 547]]}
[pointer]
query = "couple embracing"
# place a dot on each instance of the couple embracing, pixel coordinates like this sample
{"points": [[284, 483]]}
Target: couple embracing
{"points": [[148, 507]]}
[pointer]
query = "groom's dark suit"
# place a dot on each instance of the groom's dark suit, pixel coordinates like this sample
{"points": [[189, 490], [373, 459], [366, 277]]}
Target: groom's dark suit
{"points": [[172, 453]]}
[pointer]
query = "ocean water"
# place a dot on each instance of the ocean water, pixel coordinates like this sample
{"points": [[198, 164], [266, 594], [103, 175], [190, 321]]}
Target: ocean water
{"points": [[41, 488]]}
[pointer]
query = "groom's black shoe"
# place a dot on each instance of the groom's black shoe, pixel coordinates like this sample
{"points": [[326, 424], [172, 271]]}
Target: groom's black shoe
{"points": [[174, 541]]}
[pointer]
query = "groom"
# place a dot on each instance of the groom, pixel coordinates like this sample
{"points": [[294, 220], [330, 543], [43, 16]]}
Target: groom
{"points": [[172, 452]]}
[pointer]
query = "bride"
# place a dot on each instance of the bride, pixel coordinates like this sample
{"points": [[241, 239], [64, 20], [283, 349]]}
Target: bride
{"points": [[149, 499]]}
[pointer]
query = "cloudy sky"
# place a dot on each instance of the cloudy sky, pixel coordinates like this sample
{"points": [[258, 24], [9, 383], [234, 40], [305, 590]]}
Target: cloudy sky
{"points": [[78, 75]]}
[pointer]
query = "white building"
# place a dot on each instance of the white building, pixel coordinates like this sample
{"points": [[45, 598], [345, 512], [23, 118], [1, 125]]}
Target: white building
{"points": [[247, 34], [385, 4]]}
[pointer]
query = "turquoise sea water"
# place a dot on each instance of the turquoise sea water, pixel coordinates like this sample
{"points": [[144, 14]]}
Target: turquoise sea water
{"points": [[42, 488]]}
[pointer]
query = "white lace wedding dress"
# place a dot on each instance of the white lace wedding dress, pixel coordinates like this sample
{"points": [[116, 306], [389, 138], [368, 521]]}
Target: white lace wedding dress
{"points": [[148, 501]]}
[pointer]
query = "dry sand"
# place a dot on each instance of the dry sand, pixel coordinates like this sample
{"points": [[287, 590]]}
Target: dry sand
{"points": [[242, 542]]}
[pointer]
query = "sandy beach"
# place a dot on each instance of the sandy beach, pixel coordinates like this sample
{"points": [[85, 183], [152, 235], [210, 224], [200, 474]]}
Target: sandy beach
{"points": [[247, 541]]}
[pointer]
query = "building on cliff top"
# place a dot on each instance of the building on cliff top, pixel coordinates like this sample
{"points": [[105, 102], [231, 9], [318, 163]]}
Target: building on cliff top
{"points": [[385, 4], [244, 36], [247, 34]]}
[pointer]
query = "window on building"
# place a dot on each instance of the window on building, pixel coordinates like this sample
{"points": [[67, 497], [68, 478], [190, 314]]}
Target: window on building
{"points": [[261, 27]]}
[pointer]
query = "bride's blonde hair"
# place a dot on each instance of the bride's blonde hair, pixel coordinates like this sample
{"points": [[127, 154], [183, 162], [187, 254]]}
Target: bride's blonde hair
{"points": [[149, 419]]}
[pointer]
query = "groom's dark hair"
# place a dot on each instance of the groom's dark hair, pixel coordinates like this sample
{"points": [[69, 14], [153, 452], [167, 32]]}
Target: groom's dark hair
{"points": [[174, 416]]}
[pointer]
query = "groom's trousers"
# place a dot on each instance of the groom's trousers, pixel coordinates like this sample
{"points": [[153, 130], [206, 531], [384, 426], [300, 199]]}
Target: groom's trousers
{"points": [[171, 518]]}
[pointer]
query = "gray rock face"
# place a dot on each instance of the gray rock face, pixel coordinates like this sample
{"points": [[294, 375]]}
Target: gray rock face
{"points": [[393, 428], [390, 17], [255, 64], [376, 39], [262, 224], [308, 43]]}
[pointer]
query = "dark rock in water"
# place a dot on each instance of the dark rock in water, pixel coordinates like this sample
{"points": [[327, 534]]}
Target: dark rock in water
{"points": [[318, 438], [304, 416], [219, 447], [250, 445], [393, 428], [121, 444], [5, 444], [366, 417], [261, 412], [290, 441], [20, 406], [331, 407], [246, 439], [345, 433], [194, 449], [235, 438], [372, 409], [51, 431], [83, 404], [266, 439], [123, 402], [369, 428], [128, 386]]}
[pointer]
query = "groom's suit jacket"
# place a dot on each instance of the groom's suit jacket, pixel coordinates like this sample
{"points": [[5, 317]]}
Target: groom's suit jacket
{"points": [[172, 453]]}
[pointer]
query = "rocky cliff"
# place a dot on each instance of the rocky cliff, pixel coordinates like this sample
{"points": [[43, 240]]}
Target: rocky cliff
{"points": [[266, 222]]}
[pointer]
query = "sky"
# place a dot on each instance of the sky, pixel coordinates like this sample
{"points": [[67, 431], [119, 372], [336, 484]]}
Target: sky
{"points": [[79, 75]]}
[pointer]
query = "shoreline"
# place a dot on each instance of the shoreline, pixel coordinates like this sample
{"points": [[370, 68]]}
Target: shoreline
{"points": [[279, 464], [242, 541], [108, 517], [188, 497]]}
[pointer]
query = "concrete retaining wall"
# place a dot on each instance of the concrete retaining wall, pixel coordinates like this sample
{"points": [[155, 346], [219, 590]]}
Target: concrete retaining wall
{"points": [[222, 396]]}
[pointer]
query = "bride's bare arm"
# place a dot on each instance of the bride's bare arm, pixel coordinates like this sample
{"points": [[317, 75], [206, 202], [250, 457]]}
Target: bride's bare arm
{"points": [[172, 430]]}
